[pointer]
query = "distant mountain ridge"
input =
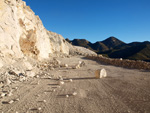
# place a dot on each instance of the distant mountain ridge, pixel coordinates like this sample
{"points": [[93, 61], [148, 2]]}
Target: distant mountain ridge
{"points": [[115, 48]]}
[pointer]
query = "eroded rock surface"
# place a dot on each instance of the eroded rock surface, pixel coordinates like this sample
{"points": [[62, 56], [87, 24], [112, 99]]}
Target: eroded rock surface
{"points": [[22, 33]]}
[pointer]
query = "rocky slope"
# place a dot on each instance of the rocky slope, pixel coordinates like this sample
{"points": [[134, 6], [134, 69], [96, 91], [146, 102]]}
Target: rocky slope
{"points": [[24, 42], [27, 49], [22, 33]]}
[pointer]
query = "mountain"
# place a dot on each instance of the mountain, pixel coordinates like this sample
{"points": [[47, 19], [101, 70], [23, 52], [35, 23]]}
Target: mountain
{"points": [[99, 46], [133, 51], [112, 42], [115, 48], [81, 42]]}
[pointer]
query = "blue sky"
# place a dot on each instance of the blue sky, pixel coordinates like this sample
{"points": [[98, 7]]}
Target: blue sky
{"points": [[95, 20]]}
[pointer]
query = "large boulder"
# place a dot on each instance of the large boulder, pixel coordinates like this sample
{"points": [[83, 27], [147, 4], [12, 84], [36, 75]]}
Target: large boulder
{"points": [[100, 73]]}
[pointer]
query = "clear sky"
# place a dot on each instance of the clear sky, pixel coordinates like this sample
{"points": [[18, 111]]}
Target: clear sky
{"points": [[95, 20]]}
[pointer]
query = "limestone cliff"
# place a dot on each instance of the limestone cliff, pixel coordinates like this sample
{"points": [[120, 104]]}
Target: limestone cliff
{"points": [[22, 33]]}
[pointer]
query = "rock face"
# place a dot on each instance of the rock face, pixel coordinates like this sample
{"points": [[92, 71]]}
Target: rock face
{"points": [[22, 33]]}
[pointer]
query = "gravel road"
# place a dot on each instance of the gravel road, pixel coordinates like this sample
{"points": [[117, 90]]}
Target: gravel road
{"points": [[122, 91]]}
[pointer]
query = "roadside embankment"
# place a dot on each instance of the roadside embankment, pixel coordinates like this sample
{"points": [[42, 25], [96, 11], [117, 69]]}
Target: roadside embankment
{"points": [[121, 62]]}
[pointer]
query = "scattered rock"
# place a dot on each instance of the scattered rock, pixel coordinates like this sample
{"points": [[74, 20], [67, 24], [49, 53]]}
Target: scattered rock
{"points": [[64, 65], [9, 94], [61, 82], [67, 96], [56, 61], [1, 84], [39, 108], [10, 102], [60, 78], [74, 93], [70, 80], [11, 72], [16, 88], [38, 82], [49, 77], [30, 73], [76, 66], [81, 63], [17, 99], [44, 100], [37, 76], [7, 82], [22, 78], [100, 73], [28, 65], [2, 94]]}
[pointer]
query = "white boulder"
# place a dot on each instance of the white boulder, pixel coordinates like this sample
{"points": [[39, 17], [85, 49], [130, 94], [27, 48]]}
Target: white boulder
{"points": [[100, 73]]}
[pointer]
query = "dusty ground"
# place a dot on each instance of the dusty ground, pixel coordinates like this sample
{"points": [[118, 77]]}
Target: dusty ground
{"points": [[123, 91]]}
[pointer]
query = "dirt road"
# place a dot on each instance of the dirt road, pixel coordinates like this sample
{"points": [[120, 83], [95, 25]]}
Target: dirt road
{"points": [[123, 91]]}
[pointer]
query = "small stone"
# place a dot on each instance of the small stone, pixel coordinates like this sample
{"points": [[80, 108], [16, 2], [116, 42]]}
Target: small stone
{"points": [[3, 94], [64, 65], [9, 94], [38, 83], [10, 102], [17, 99], [39, 108], [49, 77], [22, 78], [76, 66], [1, 84], [67, 96], [8, 82], [70, 80], [30, 73], [60, 78], [37, 76], [62, 82], [74, 93], [44, 100]]}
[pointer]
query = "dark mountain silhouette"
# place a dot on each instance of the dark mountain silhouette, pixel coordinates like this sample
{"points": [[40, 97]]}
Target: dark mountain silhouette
{"points": [[133, 51], [115, 48], [99, 46], [112, 42]]}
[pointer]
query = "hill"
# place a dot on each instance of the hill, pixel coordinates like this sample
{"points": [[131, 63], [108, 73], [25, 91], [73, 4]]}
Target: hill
{"points": [[115, 48], [133, 51]]}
